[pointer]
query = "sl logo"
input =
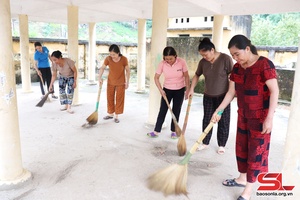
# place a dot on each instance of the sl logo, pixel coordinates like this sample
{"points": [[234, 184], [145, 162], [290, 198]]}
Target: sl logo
{"points": [[272, 181]]}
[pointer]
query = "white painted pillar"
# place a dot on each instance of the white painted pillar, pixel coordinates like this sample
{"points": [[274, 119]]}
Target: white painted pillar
{"points": [[158, 43], [73, 44], [291, 161], [92, 53], [12, 173], [217, 33], [24, 47], [141, 59]]}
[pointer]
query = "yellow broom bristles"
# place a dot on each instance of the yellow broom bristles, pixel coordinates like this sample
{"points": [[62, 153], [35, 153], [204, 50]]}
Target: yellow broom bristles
{"points": [[177, 129], [181, 146], [171, 180]]}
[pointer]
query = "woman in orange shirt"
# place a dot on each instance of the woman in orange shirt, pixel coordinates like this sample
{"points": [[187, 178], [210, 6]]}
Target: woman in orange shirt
{"points": [[117, 82]]}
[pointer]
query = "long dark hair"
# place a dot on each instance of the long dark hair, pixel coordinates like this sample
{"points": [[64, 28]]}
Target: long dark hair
{"points": [[169, 51], [114, 48], [206, 45], [241, 42]]}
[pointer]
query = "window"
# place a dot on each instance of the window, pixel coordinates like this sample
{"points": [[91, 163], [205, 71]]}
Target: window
{"points": [[184, 35], [206, 35], [181, 20], [187, 20], [211, 18], [176, 21], [205, 19]]}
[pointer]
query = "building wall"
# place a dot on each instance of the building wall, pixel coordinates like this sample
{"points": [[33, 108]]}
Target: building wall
{"points": [[194, 22], [129, 50], [187, 48]]}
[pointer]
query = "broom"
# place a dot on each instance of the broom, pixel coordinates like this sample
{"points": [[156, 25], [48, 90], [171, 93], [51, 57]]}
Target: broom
{"points": [[173, 179], [93, 118], [44, 99], [177, 127], [181, 144]]}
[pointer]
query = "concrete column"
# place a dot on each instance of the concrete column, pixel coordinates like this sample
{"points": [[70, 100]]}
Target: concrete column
{"points": [[92, 53], [158, 43], [141, 59], [291, 161], [12, 173], [24, 47], [73, 44], [217, 33]]}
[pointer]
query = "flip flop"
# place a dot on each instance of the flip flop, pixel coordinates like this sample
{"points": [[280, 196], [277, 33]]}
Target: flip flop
{"points": [[202, 147], [174, 135], [107, 117], [152, 135], [241, 198], [232, 183], [221, 150], [116, 120], [70, 111]]}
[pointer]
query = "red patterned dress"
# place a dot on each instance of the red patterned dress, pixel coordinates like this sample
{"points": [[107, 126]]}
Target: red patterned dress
{"points": [[253, 97]]}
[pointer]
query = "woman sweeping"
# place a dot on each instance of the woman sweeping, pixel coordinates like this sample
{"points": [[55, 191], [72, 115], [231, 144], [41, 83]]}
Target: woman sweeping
{"points": [[176, 82], [118, 81], [67, 79], [253, 81]]}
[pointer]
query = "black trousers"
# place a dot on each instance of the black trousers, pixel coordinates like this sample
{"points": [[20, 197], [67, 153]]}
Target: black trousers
{"points": [[174, 96], [46, 75], [210, 104]]}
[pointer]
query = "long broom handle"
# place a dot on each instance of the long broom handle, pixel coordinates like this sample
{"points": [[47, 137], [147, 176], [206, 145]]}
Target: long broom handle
{"points": [[173, 116], [98, 97], [187, 114], [187, 157], [42, 80]]}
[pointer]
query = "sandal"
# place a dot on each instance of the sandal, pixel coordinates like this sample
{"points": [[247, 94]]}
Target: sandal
{"points": [[70, 111], [221, 150], [116, 120], [202, 147], [232, 183], [174, 135], [107, 117], [152, 135]]}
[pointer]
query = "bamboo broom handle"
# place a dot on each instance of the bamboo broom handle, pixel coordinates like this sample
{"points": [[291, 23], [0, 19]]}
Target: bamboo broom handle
{"points": [[187, 114], [168, 104], [203, 135], [98, 97], [187, 157]]}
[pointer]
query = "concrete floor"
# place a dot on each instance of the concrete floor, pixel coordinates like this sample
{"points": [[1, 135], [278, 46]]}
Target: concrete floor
{"points": [[112, 161]]}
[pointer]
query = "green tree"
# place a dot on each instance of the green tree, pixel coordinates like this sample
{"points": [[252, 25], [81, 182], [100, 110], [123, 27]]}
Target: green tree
{"points": [[276, 29]]}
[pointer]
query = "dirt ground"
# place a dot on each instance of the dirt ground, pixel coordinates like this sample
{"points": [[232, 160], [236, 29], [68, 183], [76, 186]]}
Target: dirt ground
{"points": [[112, 161]]}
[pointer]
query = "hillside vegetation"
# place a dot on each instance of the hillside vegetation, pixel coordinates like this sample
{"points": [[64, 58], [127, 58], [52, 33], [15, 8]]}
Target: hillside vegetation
{"points": [[105, 31], [270, 30]]}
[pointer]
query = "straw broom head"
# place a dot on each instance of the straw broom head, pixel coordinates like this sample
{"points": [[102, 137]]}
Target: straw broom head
{"points": [[181, 145], [171, 180], [177, 128], [93, 118]]}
